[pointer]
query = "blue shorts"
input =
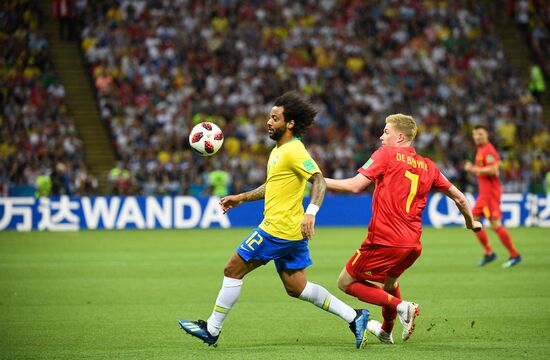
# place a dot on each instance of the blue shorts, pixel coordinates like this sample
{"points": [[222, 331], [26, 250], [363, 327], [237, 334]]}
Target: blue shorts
{"points": [[287, 254]]}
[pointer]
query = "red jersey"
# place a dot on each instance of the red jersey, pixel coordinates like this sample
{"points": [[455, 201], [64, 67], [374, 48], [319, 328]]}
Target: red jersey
{"points": [[403, 181], [489, 185]]}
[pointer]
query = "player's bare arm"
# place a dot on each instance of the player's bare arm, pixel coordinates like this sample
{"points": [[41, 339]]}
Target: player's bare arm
{"points": [[355, 185], [489, 170], [318, 190], [460, 200], [231, 201]]}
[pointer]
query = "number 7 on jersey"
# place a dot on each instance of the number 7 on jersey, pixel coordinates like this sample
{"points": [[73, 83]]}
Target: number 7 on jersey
{"points": [[414, 187]]}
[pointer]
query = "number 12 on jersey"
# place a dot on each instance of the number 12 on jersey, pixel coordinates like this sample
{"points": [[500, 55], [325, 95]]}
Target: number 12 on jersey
{"points": [[414, 188]]}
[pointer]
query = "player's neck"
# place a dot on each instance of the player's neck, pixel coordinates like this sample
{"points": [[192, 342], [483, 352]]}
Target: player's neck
{"points": [[403, 144], [287, 136]]}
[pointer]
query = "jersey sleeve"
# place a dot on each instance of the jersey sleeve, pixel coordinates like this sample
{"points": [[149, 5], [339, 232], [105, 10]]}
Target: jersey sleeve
{"points": [[302, 163], [376, 165], [491, 157], [441, 183]]}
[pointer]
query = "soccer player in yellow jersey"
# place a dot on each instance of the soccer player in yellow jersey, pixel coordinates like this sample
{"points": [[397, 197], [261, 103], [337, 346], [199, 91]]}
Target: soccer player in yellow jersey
{"points": [[285, 230]]}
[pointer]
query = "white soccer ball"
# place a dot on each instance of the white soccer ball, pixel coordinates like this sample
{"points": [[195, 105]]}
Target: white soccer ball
{"points": [[206, 138]]}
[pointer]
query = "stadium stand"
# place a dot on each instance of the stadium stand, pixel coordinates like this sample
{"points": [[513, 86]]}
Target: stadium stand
{"points": [[160, 67], [39, 143]]}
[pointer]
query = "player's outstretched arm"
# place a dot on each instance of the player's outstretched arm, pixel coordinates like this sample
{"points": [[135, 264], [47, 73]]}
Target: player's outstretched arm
{"points": [[318, 190], [355, 185], [460, 200], [231, 201]]}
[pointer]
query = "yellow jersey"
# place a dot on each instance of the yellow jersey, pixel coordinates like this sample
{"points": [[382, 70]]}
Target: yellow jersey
{"points": [[288, 169]]}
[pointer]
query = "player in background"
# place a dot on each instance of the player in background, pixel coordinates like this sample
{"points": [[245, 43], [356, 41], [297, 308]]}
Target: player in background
{"points": [[283, 234], [403, 181], [486, 168]]}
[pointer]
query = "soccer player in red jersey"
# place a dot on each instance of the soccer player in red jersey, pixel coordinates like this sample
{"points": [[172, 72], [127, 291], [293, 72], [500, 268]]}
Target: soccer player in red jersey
{"points": [[486, 168], [403, 181]]}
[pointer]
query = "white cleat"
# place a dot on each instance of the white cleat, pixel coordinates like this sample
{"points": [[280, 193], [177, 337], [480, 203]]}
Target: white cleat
{"points": [[407, 319], [375, 328]]}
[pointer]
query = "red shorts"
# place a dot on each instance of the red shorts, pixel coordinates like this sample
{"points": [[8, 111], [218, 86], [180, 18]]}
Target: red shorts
{"points": [[374, 262], [488, 207]]}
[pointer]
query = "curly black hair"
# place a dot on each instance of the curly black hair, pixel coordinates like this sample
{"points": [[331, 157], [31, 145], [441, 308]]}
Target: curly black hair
{"points": [[297, 109]]}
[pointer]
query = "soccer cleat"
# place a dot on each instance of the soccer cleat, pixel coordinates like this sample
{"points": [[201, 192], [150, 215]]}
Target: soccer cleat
{"points": [[407, 320], [512, 261], [487, 259], [199, 330], [375, 328], [359, 328]]}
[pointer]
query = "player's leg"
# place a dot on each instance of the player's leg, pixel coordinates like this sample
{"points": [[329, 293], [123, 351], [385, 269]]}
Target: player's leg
{"points": [[234, 271], [373, 326], [296, 285], [407, 311], [506, 240], [389, 313], [208, 331], [382, 264], [241, 263], [370, 263], [291, 265], [368, 292], [291, 268], [391, 306], [481, 209]]}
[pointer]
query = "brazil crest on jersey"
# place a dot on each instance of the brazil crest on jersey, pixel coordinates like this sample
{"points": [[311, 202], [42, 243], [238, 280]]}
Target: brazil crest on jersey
{"points": [[288, 170]]}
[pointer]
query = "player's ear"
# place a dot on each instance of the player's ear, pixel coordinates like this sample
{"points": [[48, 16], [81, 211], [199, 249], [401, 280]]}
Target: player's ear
{"points": [[400, 138], [290, 124]]}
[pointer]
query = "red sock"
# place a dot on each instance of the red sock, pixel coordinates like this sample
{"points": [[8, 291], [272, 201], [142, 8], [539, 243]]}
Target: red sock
{"points": [[389, 314], [372, 294], [506, 240], [484, 240]]}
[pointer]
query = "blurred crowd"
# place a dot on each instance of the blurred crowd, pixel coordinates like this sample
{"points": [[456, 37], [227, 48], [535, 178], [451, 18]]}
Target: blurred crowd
{"points": [[532, 18], [162, 66], [40, 153]]}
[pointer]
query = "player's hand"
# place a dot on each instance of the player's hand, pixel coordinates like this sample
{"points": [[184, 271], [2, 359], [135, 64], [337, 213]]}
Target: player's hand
{"points": [[468, 166], [229, 202], [308, 226], [476, 226]]}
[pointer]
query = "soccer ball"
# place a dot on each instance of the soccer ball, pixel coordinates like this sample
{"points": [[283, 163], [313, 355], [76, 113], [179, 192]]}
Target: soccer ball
{"points": [[206, 138]]}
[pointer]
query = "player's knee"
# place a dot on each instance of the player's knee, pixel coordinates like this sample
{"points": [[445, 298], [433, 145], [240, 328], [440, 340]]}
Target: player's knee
{"points": [[342, 283], [390, 284], [231, 271], [293, 291], [390, 287]]}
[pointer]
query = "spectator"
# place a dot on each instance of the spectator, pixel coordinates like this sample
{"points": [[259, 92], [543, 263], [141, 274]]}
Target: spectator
{"points": [[43, 185], [220, 181], [537, 85]]}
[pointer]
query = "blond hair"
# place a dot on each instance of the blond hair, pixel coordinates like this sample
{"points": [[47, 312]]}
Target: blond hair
{"points": [[404, 124]]}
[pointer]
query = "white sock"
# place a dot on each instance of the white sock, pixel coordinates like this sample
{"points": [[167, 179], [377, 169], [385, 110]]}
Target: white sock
{"points": [[227, 297], [375, 327], [320, 297]]}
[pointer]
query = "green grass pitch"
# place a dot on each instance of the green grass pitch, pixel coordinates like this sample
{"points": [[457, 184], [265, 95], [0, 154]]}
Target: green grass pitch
{"points": [[120, 294]]}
